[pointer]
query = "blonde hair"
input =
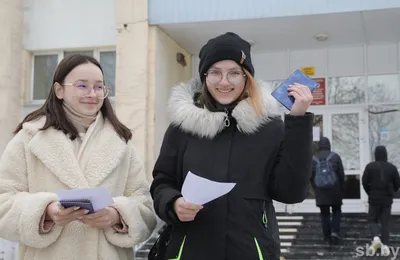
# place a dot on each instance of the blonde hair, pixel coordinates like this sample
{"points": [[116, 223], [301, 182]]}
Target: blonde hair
{"points": [[254, 93]]}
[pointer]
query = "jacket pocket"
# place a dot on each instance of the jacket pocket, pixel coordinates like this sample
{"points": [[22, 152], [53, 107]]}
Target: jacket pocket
{"points": [[271, 230], [265, 222], [260, 226]]}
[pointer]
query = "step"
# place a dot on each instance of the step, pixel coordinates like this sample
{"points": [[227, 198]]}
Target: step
{"points": [[289, 218], [318, 219], [317, 239], [312, 234], [331, 255]]}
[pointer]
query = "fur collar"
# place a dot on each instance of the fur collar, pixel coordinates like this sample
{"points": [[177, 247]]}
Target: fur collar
{"points": [[204, 123], [54, 149]]}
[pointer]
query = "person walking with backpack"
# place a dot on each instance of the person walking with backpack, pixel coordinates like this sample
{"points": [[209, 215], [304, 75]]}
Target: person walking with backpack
{"points": [[328, 183], [380, 181]]}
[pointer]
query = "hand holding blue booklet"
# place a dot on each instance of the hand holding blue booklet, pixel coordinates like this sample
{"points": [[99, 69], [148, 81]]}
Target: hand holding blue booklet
{"points": [[282, 93], [92, 199]]}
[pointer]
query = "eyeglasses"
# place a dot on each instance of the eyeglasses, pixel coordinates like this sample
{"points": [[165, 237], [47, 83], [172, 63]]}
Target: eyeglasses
{"points": [[234, 77], [83, 89]]}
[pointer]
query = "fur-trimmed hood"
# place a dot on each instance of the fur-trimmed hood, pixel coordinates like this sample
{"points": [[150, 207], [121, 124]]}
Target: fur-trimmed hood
{"points": [[204, 123]]}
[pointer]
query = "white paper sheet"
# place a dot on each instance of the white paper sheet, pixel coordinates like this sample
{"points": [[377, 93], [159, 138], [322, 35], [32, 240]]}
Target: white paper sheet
{"points": [[99, 196], [199, 190]]}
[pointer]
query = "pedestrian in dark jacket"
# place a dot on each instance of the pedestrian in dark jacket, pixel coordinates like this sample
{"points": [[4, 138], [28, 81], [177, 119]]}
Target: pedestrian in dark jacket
{"points": [[226, 128], [331, 197], [381, 181]]}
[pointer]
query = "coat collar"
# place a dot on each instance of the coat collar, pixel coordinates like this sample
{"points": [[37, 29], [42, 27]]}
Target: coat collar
{"points": [[204, 123], [54, 149]]}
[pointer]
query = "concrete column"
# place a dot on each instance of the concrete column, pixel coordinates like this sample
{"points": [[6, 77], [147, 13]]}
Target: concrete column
{"points": [[132, 93], [11, 56], [11, 53], [145, 73]]}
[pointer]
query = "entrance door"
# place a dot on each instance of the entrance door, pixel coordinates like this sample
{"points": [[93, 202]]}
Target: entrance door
{"points": [[347, 131], [279, 206], [384, 124], [396, 204], [349, 137], [319, 129]]}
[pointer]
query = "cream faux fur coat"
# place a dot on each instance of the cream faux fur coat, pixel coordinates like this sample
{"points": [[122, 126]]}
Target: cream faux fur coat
{"points": [[36, 164]]}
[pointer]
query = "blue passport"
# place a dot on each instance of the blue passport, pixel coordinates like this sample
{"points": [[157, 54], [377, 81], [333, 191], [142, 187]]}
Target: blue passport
{"points": [[82, 203], [282, 94]]}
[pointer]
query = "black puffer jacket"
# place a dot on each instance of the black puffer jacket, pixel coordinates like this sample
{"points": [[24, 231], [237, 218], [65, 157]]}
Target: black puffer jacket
{"points": [[268, 159], [334, 195], [381, 179]]}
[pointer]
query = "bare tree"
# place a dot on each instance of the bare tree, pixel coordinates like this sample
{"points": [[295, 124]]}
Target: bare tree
{"points": [[384, 117], [346, 139], [346, 90]]}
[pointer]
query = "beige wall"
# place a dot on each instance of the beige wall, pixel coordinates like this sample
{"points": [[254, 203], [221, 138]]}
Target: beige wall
{"points": [[131, 69], [168, 72], [146, 70], [11, 53]]}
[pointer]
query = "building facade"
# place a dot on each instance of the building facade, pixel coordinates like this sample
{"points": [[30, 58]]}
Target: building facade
{"points": [[146, 47]]}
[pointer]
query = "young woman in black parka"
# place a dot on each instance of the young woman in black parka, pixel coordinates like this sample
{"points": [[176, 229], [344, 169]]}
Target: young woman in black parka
{"points": [[226, 127]]}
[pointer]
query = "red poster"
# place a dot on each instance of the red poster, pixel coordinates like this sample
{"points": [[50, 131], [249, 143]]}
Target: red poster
{"points": [[319, 93]]}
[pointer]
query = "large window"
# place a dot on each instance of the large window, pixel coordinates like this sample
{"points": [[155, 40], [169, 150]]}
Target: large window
{"points": [[346, 90], [384, 123], [43, 70], [44, 65], [383, 89]]}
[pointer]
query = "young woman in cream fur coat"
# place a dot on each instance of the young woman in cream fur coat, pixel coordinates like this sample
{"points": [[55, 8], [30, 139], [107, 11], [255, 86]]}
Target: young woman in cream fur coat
{"points": [[73, 141]]}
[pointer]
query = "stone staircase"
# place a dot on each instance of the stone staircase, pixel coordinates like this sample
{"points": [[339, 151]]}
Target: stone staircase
{"points": [[301, 238]]}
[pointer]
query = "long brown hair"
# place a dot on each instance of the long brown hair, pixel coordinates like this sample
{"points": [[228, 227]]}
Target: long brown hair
{"points": [[251, 91], [53, 110]]}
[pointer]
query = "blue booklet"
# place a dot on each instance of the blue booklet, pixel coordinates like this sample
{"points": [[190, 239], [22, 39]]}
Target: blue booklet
{"points": [[282, 94], [83, 204]]}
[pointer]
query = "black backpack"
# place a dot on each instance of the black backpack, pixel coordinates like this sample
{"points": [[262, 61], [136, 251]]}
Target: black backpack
{"points": [[325, 176]]}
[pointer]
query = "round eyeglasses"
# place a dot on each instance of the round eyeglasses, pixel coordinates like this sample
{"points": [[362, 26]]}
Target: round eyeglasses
{"points": [[83, 89], [234, 77]]}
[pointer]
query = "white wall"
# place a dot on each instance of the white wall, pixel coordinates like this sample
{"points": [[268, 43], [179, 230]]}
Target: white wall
{"points": [[334, 61], [60, 24]]}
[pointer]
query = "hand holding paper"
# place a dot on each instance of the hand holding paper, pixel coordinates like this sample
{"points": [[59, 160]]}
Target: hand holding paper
{"points": [[186, 211], [63, 217], [103, 218], [198, 190], [92, 199]]}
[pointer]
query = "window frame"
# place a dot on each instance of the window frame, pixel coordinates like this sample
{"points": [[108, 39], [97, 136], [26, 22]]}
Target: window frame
{"points": [[60, 55], [32, 78], [96, 55]]}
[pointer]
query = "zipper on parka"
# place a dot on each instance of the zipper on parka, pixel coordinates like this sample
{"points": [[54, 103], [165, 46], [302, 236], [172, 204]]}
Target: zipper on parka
{"points": [[227, 122]]}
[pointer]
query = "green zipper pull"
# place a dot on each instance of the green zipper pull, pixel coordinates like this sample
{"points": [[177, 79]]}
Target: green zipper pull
{"points": [[264, 217]]}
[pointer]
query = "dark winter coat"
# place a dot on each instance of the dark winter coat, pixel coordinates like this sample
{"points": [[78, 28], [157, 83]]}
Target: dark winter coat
{"points": [[381, 179], [268, 159], [334, 195]]}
